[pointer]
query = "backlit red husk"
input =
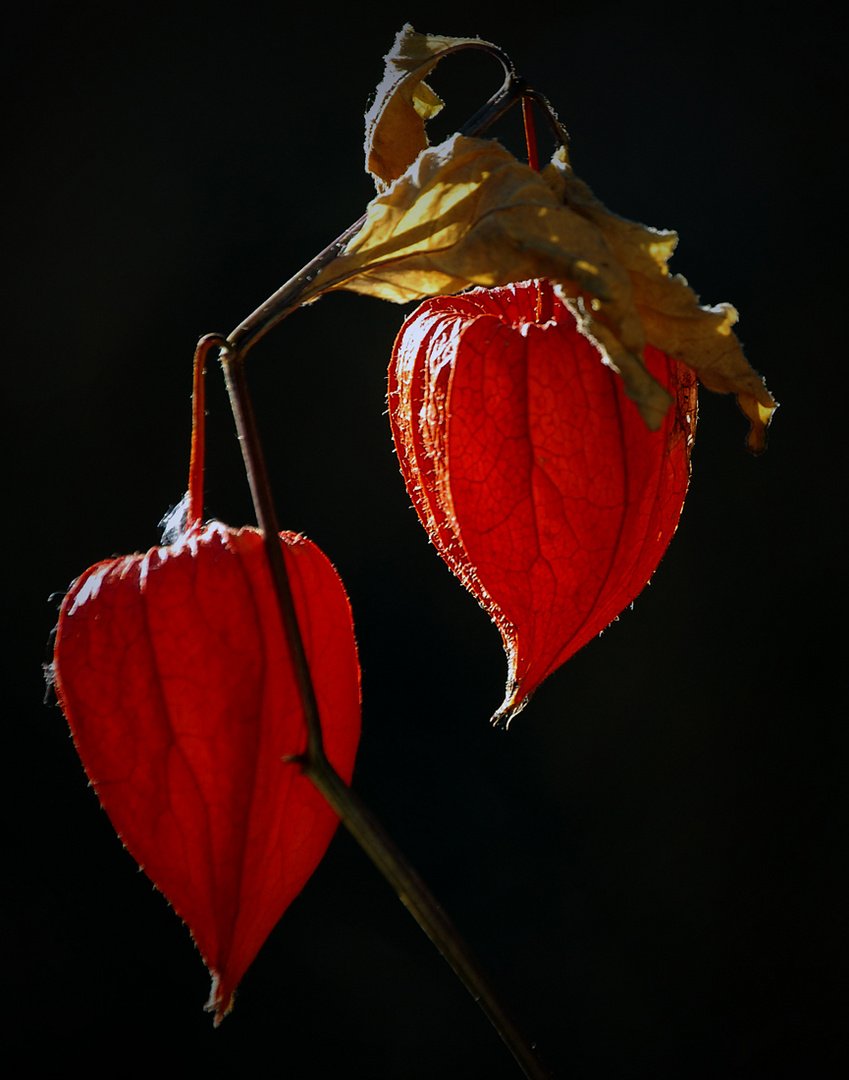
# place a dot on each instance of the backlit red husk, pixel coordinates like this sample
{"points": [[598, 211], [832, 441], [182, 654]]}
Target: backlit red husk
{"points": [[175, 676], [532, 472]]}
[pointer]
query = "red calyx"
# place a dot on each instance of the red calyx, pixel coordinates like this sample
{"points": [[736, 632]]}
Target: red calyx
{"points": [[532, 472], [175, 677]]}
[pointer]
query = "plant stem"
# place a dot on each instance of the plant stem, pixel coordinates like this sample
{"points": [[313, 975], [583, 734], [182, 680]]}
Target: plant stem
{"points": [[422, 905], [240, 403], [530, 133], [355, 816], [287, 298], [194, 507]]}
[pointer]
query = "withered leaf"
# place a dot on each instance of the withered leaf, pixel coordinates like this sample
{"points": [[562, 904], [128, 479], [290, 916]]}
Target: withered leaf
{"points": [[395, 123], [467, 212], [669, 310], [430, 233]]}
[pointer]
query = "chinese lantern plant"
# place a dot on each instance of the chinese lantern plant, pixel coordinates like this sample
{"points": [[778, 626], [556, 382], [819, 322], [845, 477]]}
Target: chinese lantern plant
{"points": [[543, 405], [182, 693], [535, 477]]}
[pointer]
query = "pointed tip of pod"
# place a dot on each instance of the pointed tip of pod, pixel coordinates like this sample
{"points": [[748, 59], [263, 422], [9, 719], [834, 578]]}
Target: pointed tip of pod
{"points": [[514, 701], [220, 1000]]}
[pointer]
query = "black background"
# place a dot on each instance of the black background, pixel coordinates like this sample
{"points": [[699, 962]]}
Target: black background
{"points": [[650, 863]]}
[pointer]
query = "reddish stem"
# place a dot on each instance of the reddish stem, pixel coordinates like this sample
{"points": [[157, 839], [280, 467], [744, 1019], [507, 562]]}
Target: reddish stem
{"points": [[545, 301], [194, 512], [530, 133]]}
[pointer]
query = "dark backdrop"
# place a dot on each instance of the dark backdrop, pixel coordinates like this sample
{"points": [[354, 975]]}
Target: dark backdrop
{"points": [[650, 862]]}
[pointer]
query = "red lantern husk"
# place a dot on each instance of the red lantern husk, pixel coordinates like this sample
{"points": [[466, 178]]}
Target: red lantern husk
{"points": [[175, 676], [532, 472]]}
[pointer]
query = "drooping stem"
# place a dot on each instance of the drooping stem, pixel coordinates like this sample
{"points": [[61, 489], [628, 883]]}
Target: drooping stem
{"points": [[530, 133], [561, 136], [423, 906], [355, 816], [194, 510], [288, 297], [240, 403]]}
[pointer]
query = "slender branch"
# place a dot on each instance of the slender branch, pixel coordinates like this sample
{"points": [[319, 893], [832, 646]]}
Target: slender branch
{"points": [[194, 506], [355, 816], [240, 403], [427, 912], [559, 132], [288, 297], [511, 90], [530, 134]]}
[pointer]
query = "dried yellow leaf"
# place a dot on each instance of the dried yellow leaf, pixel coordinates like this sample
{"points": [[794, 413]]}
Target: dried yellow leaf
{"points": [[429, 232], [668, 309], [469, 213], [395, 123]]}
